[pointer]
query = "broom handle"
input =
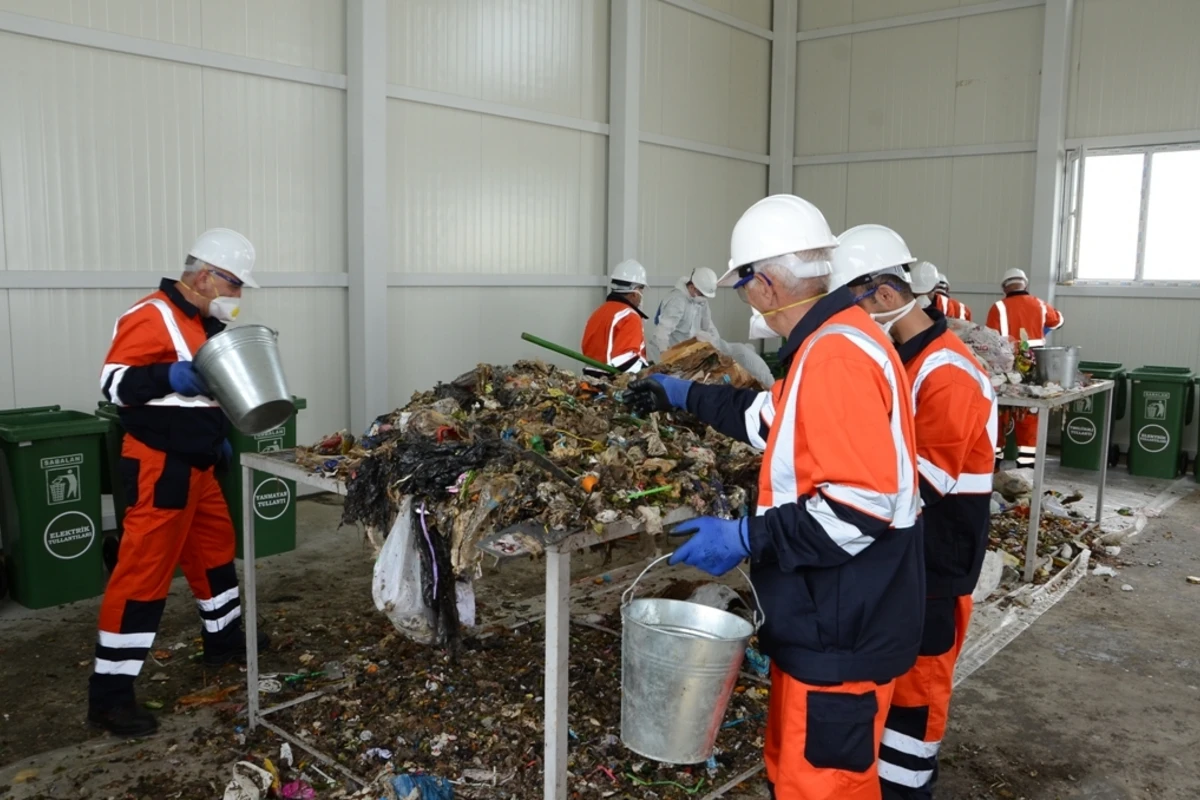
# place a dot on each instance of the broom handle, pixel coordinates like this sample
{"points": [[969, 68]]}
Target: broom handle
{"points": [[565, 351]]}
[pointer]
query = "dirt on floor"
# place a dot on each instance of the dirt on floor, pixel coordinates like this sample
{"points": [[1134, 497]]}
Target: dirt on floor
{"points": [[1097, 700]]}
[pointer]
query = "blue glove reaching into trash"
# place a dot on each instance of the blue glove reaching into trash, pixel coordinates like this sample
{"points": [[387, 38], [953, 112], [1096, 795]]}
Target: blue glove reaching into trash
{"points": [[658, 393], [185, 380], [718, 545]]}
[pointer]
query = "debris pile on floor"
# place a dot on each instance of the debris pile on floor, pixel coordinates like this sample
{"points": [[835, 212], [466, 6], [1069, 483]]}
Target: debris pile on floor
{"points": [[503, 445], [1062, 532]]}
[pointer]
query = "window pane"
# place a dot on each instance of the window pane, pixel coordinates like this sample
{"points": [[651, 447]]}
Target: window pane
{"points": [[1112, 206], [1174, 216]]}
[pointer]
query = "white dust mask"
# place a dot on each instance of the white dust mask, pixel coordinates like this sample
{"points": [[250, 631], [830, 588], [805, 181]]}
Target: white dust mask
{"points": [[224, 309], [895, 316]]}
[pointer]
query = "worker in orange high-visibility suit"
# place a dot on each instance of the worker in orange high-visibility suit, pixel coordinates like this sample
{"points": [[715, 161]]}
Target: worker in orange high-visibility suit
{"points": [[175, 438], [614, 334], [1021, 315], [835, 545], [943, 302], [955, 408]]}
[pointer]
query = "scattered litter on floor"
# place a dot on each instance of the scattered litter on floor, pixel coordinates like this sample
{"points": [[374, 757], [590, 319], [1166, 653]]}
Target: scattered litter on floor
{"points": [[1126, 588], [1103, 571]]}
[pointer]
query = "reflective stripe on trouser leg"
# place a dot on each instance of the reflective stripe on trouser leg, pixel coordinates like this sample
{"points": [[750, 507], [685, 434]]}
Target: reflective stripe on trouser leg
{"points": [[207, 562], [916, 722], [137, 590], [822, 741]]}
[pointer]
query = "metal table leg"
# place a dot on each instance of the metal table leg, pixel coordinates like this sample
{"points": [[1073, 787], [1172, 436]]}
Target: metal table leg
{"points": [[250, 603], [1035, 502], [558, 623], [1104, 443]]}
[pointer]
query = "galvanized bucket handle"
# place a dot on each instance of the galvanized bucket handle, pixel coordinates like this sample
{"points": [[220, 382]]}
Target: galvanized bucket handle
{"points": [[759, 617]]}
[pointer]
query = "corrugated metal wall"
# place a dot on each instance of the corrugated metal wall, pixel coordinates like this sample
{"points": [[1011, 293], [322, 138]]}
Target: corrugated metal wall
{"points": [[966, 81], [114, 162]]}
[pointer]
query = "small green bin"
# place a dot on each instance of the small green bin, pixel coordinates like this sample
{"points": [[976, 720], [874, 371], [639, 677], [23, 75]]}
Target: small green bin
{"points": [[1161, 407], [274, 498], [50, 505], [1083, 420]]}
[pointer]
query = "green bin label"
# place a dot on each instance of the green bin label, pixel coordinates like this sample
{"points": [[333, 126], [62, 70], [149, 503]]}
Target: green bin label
{"points": [[62, 478], [1083, 406], [1153, 438], [269, 441], [1081, 430], [69, 535], [272, 498], [1156, 405]]}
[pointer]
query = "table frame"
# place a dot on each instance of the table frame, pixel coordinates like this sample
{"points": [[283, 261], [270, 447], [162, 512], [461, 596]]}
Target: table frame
{"points": [[1044, 405], [558, 614]]}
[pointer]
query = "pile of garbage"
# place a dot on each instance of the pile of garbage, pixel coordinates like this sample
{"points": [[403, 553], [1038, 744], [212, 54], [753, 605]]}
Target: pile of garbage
{"points": [[1009, 363], [502, 445]]}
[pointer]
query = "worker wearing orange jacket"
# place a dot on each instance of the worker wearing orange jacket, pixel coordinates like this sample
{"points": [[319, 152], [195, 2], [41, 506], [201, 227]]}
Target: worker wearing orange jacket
{"points": [[175, 437], [614, 334], [955, 409], [1021, 315], [835, 545], [943, 302]]}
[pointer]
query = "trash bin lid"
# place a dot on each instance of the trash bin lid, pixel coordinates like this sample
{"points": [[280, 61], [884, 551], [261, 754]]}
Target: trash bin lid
{"points": [[1162, 374], [299, 402], [1104, 370], [17, 428]]}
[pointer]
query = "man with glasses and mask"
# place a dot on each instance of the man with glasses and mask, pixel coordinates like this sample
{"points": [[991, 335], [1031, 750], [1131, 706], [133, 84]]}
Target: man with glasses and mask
{"points": [[955, 411], [175, 439], [835, 545]]}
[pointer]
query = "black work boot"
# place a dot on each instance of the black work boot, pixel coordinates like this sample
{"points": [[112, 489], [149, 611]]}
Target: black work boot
{"points": [[229, 646], [126, 719]]}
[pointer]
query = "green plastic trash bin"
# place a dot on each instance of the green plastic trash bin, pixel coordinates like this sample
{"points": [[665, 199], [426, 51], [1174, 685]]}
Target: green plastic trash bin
{"points": [[50, 506], [1161, 407], [274, 498], [1083, 420]]}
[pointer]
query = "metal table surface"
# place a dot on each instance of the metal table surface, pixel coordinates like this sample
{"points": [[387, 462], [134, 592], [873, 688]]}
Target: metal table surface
{"points": [[1044, 405], [557, 549]]}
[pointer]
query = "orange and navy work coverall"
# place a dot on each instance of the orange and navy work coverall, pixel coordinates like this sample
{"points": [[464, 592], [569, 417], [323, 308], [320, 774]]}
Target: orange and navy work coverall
{"points": [[951, 308], [614, 335], [836, 552], [1021, 311], [955, 407], [177, 514]]}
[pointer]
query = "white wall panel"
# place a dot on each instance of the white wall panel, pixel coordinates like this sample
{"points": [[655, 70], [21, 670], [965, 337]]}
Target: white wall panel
{"points": [[913, 197], [902, 87], [101, 159], [756, 12], [475, 193], [823, 95], [829, 13], [176, 21], [8, 394], [704, 80], [991, 229], [306, 33], [275, 168], [1136, 67], [688, 204], [999, 77], [824, 186], [437, 334], [547, 55]]}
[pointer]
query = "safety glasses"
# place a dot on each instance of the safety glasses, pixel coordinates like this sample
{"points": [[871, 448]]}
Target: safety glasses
{"points": [[225, 276]]}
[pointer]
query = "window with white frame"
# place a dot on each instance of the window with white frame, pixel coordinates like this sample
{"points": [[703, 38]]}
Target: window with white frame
{"points": [[1128, 214]]}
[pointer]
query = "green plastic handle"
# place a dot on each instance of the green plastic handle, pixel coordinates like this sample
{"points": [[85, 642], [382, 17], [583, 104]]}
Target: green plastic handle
{"points": [[569, 353]]}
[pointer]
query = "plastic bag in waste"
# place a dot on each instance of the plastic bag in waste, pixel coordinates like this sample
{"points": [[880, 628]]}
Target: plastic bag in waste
{"points": [[749, 360], [249, 782], [422, 787], [396, 586]]}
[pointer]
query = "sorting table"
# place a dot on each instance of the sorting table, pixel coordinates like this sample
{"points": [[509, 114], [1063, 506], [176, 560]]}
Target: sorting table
{"points": [[513, 541], [1044, 405]]}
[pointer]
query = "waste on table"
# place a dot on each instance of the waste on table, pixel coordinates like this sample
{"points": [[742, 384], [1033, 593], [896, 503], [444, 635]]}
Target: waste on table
{"points": [[1008, 362]]}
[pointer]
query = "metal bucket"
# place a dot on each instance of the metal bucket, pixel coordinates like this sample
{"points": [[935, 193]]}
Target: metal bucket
{"points": [[679, 664], [1055, 365], [243, 369]]}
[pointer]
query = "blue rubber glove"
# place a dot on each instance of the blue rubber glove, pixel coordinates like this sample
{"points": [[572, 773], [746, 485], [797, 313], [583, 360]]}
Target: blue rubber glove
{"points": [[658, 393], [185, 380], [718, 546]]}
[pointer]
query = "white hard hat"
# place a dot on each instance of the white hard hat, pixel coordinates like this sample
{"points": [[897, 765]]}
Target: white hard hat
{"points": [[228, 250], [1014, 274], [705, 281], [628, 276], [943, 281], [774, 226], [869, 250], [924, 277]]}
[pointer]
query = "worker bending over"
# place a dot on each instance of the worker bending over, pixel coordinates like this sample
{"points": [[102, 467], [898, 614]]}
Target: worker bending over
{"points": [[684, 313], [1021, 316], [614, 334], [951, 308], [835, 544], [175, 434], [955, 409]]}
